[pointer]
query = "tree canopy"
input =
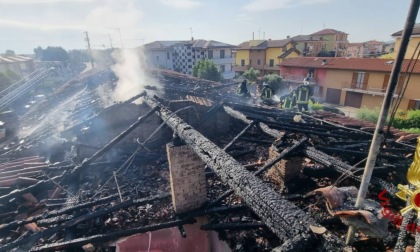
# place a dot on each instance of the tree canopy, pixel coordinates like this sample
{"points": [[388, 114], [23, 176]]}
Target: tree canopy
{"points": [[51, 53], [251, 74], [274, 80], [207, 69], [9, 53]]}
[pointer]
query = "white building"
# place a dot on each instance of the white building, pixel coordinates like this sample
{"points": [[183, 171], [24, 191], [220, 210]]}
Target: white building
{"points": [[182, 55], [159, 54]]}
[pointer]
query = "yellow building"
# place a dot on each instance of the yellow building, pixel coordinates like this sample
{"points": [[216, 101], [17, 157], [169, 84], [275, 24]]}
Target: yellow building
{"points": [[414, 40], [264, 55], [334, 41], [356, 82]]}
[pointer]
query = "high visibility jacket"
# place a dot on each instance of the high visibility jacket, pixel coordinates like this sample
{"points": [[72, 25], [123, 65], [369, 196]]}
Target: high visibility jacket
{"points": [[267, 93], [303, 93], [288, 102]]}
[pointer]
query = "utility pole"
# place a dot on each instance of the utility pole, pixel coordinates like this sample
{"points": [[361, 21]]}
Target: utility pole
{"points": [[378, 135], [110, 41], [90, 50]]}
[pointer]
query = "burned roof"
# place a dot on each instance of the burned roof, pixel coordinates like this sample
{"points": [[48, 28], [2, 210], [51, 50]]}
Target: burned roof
{"points": [[14, 59], [269, 172]]}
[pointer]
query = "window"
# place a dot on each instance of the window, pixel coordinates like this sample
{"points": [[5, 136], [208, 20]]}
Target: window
{"points": [[222, 54], [271, 62], [359, 80], [258, 62], [210, 54], [250, 62], [414, 105], [222, 68], [168, 55], [317, 90], [188, 47], [243, 62]]}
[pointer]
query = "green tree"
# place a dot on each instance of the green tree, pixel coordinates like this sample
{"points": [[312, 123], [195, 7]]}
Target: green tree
{"points": [[9, 53], [206, 69], [274, 80], [251, 74], [51, 53]]}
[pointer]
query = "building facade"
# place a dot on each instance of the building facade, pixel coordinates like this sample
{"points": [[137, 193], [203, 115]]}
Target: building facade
{"points": [[19, 65], [308, 45], [414, 40], [181, 56], [264, 55], [355, 82], [334, 41]]}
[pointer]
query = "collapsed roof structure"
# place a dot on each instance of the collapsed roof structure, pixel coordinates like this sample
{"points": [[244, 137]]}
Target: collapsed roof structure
{"points": [[83, 173]]}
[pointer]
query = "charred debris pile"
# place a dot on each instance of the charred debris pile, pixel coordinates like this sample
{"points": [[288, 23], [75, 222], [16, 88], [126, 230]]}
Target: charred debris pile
{"points": [[80, 172]]}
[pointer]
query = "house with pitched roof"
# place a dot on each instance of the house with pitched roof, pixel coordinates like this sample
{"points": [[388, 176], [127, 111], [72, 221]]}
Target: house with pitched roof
{"points": [[414, 40], [355, 82], [308, 45], [335, 40], [18, 64], [264, 55], [181, 56]]}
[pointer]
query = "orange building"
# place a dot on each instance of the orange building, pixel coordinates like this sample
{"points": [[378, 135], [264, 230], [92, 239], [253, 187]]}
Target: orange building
{"points": [[354, 82]]}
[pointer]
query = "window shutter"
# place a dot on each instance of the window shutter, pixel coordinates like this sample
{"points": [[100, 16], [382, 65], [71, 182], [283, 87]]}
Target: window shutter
{"points": [[386, 80], [400, 84], [365, 81], [354, 80], [411, 104]]}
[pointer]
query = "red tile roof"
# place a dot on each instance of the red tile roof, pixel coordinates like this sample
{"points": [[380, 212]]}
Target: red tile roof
{"points": [[363, 64], [327, 32]]}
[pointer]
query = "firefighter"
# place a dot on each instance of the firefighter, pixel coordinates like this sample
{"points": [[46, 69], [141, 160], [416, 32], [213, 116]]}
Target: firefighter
{"points": [[303, 95], [287, 101], [242, 90], [266, 92]]}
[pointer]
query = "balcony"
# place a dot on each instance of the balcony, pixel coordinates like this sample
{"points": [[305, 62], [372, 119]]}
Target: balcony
{"points": [[297, 78], [364, 89], [239, 68], [220, 61]]}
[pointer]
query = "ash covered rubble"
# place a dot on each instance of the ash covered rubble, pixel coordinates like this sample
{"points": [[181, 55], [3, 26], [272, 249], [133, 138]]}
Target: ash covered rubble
{"points": [[81, 174]]}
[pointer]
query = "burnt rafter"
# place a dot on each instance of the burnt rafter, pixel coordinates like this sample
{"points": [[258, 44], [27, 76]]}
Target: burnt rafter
{"points": [[68, 176], [73, 222], [285, 219], [76, 243]]}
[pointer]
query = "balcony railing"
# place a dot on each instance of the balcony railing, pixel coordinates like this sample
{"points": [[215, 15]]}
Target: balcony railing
{"points": [[297, 78]]}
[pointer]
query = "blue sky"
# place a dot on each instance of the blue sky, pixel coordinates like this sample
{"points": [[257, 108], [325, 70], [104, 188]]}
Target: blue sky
{"points": [[26, 24]]}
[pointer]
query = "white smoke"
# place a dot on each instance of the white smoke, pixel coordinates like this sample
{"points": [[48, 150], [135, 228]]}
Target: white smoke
{"points": [[119, 18], [130, 69]]}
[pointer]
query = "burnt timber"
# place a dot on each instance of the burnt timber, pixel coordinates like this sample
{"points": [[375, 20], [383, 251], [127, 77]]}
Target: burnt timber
{"points": [[79, 199]]}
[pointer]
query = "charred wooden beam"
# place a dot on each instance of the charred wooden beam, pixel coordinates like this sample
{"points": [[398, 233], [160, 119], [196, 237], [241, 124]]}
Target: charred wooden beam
{"points": [[112, 236], [71, 223], [280, 215], [217, 210], [343, 168], [233, 225], [358, 153], [239, 135], [69, 176], [254, 140]]}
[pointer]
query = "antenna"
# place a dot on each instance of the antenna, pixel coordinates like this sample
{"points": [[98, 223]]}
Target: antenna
{"points": [[191, 33]]}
